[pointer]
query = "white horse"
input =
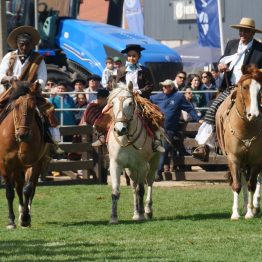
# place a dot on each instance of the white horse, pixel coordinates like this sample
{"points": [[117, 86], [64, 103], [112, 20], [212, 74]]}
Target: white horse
{"points": [[130, 149]]}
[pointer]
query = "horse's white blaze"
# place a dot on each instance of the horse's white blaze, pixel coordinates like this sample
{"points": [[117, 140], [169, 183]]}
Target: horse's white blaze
{"points": [[253, 90]]}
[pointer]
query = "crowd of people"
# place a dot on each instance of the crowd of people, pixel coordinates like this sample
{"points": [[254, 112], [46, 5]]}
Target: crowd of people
{"points": [[183, 98]]}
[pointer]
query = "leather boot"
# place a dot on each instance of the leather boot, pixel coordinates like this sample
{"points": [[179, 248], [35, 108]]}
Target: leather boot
{"points": [[157, 144], [201, 152]]}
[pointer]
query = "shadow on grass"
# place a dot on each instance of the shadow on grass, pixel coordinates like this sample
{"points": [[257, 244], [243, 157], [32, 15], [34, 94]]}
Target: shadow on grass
{"points": [[195, 217], [32, 250], [95, 223]]}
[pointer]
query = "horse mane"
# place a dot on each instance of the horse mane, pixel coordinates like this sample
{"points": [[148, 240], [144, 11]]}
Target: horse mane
{"points": [[250, 71], [119, 87], [21, 88]]}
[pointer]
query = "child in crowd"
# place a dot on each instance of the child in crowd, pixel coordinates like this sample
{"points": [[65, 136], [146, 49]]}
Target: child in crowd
{"points": [[108, 71]]}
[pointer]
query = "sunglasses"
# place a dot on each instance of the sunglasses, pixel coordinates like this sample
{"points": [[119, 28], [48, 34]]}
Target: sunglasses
{"points": [[204, 77]]}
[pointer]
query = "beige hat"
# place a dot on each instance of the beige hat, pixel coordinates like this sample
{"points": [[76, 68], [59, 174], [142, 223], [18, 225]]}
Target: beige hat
{"points": [[12, 38], [167, 82], [247, 23]]}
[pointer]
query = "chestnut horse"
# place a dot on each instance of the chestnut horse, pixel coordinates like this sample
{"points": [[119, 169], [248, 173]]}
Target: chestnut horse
{"points": [[130, 149], [241, 139], [22, 150]]}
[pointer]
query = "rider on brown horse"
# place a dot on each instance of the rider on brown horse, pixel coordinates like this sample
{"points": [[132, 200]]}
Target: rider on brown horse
{"points": [[26, 65]]}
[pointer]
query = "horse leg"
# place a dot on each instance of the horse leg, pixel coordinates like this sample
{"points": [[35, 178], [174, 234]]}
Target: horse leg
{"points": [[149, 203], [236, 187], [28, 191], [19, 190], [256, 197], [139, 212], [10, 195], [251, 189], [115, 172], [245, 192]]}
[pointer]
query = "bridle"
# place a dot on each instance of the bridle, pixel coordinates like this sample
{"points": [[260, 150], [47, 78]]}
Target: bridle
{"points": [[131, 137], [247, 142], [25, 118]]}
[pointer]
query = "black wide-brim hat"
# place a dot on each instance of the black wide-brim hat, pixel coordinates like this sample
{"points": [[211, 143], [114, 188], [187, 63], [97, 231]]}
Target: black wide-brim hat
{"points": [[94, 77], [137, 48], [79, 80], [12, 38]]}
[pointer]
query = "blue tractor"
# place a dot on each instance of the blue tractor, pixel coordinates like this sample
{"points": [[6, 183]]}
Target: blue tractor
{"points": [[76, 48]]}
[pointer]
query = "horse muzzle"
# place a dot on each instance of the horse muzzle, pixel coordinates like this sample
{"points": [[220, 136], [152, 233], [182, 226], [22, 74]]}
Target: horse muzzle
{"points": [[121, 128]]}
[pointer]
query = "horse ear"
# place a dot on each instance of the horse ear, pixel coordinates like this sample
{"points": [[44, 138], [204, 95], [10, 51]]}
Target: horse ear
{"points": [[130, 86], [35, 86]]}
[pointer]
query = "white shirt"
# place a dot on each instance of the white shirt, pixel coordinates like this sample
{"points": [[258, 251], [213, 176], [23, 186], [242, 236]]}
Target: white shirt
{"points": [[18, 67], [131, 76]]}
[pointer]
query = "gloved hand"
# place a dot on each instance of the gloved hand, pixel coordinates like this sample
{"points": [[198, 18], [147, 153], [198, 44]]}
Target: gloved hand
{"points": [[8, 79]]}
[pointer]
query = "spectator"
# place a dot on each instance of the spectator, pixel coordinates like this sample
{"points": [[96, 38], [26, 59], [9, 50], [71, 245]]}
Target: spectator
{"points": [[93, 85], [80, 103], [50, 84], [171, 103], [217, 77], [117, 62], [68, 102], [108, 71], [208, 84], [180, 80], [194, 82], [189, 97], [79, 86]]}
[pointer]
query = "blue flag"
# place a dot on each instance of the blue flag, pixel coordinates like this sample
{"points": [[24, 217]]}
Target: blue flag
{"points": [[208, 23]]}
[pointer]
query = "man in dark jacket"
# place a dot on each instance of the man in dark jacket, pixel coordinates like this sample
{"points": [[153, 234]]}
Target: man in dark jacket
{"points": [[171, 103], [238, 52]]}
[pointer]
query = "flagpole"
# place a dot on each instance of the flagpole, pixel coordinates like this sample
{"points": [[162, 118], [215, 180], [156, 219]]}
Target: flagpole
{"points": [[222, 48]]}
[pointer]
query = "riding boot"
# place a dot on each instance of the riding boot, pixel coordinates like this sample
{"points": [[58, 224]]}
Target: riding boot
{"points": [[206, 140], [157, 144]]}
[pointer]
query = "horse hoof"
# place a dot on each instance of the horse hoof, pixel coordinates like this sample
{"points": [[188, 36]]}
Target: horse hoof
{"points": [[139, 217], [149, 215], [249, 215], [11, 226], [235, 217], [113, 221]]}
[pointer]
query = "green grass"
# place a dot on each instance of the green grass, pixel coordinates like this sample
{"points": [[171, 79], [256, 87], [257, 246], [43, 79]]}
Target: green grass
{"points": [[70, 223]]}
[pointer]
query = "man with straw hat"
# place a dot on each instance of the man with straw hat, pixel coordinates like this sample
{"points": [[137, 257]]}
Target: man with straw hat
{"points": [[26, 65], [23, 63], [238, 52]]}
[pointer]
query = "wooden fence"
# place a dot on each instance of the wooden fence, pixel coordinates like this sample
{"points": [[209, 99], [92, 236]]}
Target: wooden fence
{"points": [[187, 167], [94, 163]]}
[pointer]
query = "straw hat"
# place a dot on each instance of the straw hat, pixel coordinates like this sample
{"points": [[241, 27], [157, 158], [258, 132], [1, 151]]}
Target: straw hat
{"points": [[247, 23], [167, 82], [12, 38]]}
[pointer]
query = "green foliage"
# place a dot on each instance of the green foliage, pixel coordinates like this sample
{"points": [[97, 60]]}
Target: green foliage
{"points": [[70, 223]]}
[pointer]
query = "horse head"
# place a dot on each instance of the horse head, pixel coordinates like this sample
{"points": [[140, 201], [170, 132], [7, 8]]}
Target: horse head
{"points": [[249, 93], [24, 100], [123, 108]]}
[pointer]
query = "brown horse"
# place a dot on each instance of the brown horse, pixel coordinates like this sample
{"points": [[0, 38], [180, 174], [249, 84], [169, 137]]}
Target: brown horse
{"points": [[22, 151], [241, 137]]}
